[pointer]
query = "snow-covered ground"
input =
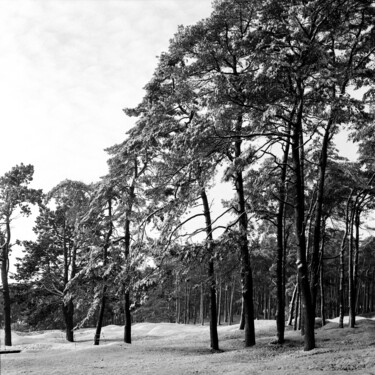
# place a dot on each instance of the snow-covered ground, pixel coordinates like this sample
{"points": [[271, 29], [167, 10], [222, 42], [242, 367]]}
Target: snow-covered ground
{"points": [[184, 349]]}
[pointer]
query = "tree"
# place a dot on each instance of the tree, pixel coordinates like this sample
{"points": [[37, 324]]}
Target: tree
{"points": [[15, 196], [310, 49], [269, 192], [103, 199], [219, 66], [183, 174], [53, 260], [128, 165], [183, 166]]}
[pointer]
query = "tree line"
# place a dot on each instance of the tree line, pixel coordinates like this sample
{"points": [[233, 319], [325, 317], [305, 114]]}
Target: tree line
{"points": [[252, 96]]}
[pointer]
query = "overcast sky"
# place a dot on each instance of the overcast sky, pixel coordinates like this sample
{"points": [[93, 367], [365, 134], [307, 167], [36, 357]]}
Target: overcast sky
{"points": [[68, 68]]}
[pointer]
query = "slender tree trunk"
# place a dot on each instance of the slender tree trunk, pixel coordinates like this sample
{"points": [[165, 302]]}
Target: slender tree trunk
{"points": [[367, 291], [6, 297], [321, 274], [292, 304], [322, 294], [269, 306], [356, 258], [219, 304], [178, 300], [246, 272], [226, 303], [258, 305], [68, 307], [297, 318], [359, 300], [231, 302], [353, 263], [195, 313], [247, 281], [211, 274], [127, 303], [201, 306], [213, 311], [318, 214], [99, 322], [128, 319], [280, 313], [280, 293], [187, 302], [299, 209], [127, 326], [68, 312], [342, 265], [351, 273]]}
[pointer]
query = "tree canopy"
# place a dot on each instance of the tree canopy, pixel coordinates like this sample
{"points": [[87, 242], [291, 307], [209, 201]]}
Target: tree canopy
{"points": [[254, 96]]}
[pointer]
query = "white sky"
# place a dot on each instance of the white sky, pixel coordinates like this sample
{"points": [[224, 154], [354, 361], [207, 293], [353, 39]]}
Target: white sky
{"points": [[68, 68]]}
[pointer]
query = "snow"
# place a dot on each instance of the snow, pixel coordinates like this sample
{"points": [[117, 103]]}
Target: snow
{"points": [[167, 348]]}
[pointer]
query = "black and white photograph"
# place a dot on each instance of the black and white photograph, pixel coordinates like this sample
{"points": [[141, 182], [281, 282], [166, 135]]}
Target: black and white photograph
{"points": [[187, 187]]}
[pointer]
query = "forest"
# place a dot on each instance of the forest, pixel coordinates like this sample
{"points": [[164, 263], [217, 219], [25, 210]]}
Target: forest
{"points": [[251, 100]]}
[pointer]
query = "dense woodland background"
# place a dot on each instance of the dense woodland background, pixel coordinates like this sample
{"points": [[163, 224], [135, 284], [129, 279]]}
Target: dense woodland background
{"points": [[251, 98]]}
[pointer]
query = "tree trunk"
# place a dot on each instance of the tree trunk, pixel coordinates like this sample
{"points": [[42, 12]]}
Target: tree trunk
{"points": [[99, 322], [211, 275], [127, 326], [322, 293], [269, 306], [201, 305], [226, 303], [321, 275], [318, 214], [280, 293], [68, 307], [246, 272], [351, 271], [68, 312], [106, 245], [219, 305], [213, 311], [292, 304], [127, 303], [187, 303], [195, 313], [128, 319], [6, 297], [359, 299], [342, 265], [231, 302], [299, 209], [356, 258], [178, 300], [297, 317]]}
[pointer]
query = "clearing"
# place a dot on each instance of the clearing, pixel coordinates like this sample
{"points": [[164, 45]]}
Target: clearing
{"points": [[167, 348]]}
